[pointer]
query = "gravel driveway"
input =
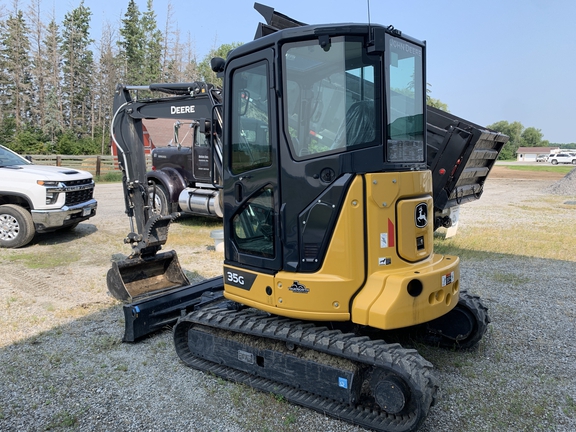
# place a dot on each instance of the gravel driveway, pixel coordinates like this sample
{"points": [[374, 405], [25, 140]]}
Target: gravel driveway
{"points": [[63, 366]]}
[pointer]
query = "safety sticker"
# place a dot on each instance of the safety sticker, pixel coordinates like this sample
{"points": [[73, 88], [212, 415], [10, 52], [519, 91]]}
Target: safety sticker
{"points": [[447, 279], [342, 382], [383, 240], [384, 261]]}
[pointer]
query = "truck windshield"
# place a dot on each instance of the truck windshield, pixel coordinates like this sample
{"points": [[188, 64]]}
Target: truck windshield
{"points": [[405, 84], [332, 99], [9, 158]]}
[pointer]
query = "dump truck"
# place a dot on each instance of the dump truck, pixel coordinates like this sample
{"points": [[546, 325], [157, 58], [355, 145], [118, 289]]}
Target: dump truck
{"points": [[186, 175], [318, 152]]}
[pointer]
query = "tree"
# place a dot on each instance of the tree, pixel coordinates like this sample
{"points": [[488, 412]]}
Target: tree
{"points": [[131, 44], [190, 70], [204, 69], [52, 64], [16, 79], [141, 45], [152, 45], [430, 101], [107, 76], [78, 65], [532, 137], [37, 70], [514, 131], [437, 103]]}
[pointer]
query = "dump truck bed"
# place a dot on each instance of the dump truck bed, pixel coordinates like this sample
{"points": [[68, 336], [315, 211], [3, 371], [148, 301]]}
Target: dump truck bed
{"points": [[460, 156]]}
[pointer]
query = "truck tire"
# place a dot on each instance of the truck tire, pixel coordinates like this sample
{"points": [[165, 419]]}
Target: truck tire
{"points": [[554, 162], [16, 226], [158, 200]]}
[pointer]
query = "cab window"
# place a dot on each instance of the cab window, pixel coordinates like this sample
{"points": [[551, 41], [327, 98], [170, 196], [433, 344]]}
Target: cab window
{"points": [[253, 227], [251, 147], [331, 102]]}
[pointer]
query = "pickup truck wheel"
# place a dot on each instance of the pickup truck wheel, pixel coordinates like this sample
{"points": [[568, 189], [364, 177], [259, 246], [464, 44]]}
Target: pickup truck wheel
{"points": [[554, 162], [16, 226], [158, 200]]}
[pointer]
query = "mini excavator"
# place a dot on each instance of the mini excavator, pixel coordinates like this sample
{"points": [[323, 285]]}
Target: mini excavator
{"points": [[319, 154]]}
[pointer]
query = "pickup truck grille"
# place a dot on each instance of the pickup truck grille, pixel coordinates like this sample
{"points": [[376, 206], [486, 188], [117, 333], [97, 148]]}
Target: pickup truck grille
{"points": [[80, 182], [77, 197], [74, 197]]}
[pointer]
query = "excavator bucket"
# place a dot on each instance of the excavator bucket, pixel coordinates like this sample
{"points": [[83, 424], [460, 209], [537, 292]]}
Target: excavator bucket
{"points": [[136, 278]]}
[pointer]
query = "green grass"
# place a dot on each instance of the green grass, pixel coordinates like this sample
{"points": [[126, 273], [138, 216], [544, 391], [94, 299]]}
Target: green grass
{"points": [[109, 177], [63, 419], [542, 168], [42, 261], [537, 240], [570, 408]]}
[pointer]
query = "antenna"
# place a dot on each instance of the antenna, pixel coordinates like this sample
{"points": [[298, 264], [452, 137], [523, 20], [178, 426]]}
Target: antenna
{"points": [[368, 2], [369, 28]]}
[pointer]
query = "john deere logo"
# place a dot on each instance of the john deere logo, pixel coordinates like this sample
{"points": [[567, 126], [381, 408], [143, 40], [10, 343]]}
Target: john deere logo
{"points": [[421, 216], [298, 288]]}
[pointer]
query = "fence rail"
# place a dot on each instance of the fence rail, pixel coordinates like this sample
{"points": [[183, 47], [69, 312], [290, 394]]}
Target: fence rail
{"points": [[96, 165]]}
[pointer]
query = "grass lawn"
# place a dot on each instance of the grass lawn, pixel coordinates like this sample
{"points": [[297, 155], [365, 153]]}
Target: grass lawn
{"points": [[543, 168]]}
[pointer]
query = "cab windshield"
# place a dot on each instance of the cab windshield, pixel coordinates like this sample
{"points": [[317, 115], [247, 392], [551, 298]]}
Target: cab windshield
{"points": [[332, 98]]}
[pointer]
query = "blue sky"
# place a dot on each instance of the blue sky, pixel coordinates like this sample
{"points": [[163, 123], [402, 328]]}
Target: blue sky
{"points": [[493, 60]]}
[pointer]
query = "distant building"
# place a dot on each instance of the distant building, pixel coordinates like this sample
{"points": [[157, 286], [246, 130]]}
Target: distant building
{"points": [[529, 154]]}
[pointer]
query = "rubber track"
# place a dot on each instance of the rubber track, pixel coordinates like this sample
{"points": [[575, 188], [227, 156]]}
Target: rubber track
{"points": [[476, 307], [406, 363]]}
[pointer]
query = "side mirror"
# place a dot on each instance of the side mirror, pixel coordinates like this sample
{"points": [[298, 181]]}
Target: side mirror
{"points": [[176, 130], [217, 64]]}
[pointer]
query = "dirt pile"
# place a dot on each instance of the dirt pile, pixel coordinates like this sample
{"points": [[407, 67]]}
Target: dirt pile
{"points": [[564, 186]]}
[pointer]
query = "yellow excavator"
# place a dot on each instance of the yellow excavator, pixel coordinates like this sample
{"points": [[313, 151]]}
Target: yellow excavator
{"points": [[319, 155]]}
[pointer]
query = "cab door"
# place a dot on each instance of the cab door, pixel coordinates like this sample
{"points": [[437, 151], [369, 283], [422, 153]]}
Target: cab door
{"points": [[251, 192]]}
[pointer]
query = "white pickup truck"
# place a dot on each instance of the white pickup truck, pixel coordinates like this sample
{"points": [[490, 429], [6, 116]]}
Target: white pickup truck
{"points": [[40, 198]]}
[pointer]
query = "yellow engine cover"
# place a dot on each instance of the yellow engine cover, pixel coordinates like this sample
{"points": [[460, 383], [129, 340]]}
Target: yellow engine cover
{"points": [[379, 269]]}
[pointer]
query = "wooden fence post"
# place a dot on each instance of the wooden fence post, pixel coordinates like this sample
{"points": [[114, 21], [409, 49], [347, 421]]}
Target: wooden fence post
{"points": [[98, 162], [58, 160]]}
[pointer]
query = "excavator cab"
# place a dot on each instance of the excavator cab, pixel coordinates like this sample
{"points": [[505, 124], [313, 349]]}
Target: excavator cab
{"points": [[326, 189]]}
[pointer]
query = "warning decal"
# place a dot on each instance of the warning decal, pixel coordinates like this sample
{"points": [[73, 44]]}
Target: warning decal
{"points": [[383, 240], [447, 279], [384, 261]]}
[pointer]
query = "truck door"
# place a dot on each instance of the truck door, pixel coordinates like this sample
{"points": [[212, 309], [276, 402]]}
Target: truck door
{"points": [[202, 162], [251, 193]]}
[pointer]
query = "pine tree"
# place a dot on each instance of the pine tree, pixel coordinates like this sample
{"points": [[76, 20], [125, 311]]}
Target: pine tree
{"points": [[132, 45], [78, 65], [38, 70], [152, 46], [16, 77], [52, 64]]}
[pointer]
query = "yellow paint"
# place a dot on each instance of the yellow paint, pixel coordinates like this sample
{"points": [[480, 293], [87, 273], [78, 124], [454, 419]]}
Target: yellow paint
{"points": [[376, 232], [386, 304]]}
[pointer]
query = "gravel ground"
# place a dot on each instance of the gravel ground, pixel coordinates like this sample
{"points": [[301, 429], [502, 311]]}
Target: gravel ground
{"points": [[63, 366]]}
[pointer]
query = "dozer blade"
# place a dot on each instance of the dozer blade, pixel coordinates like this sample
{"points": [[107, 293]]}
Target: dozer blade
{"points": [[136, 278]]}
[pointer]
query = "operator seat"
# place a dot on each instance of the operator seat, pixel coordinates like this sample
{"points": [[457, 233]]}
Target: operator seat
{"points": [[359, 126]]}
